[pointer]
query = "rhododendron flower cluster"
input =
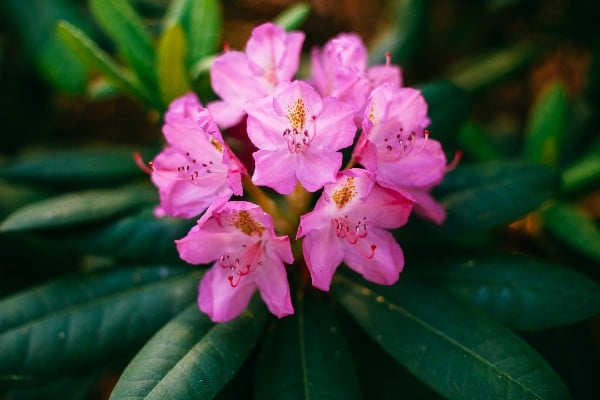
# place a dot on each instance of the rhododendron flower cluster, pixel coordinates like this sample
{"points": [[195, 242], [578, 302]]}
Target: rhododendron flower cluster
{"points": [[299, 129]]}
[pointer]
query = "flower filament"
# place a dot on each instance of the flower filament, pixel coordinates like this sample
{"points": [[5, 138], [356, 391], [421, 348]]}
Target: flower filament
{"points": [[242, 264], [353, 231]]}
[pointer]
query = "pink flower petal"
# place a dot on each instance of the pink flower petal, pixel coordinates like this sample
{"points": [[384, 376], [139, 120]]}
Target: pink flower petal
{"points": [[273, 286], [318, 169], [275, 170], [323, 254]]}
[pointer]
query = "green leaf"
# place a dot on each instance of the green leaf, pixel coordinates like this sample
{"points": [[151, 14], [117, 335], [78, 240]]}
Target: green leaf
{"points": [[482, 196], [516, 290], [94, 56], [476, 142], [79, 208], [172, 71], [584, 171], [120, 21], [293, 17], [81, 321], [15, 196], [34, 21], [458, 352], [77, 167], [403, 37], [201, 22], [449, 107], [191, 357], [75, 387], [547, 126], [573, 228], [482, 71], [305, 356], [139, 237]]}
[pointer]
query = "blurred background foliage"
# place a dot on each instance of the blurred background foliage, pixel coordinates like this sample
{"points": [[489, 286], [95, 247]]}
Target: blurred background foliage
{"points": [[512, 84]]}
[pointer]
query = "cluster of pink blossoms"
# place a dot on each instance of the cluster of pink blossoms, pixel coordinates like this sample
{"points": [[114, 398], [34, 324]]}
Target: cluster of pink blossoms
{"points": [[298, 128]]}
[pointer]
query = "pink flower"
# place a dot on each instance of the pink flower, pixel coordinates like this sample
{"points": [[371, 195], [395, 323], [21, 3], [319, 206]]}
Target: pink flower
{"points": [[395, 147], [298, 135], [196, 168], [272, 56], [348, 224], [240, 236], [340, 70]]}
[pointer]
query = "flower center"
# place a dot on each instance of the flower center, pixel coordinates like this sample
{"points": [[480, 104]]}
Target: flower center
{"points": [[298, 138], [395, 147], [193, 169], [353, 231], [246, 261]]}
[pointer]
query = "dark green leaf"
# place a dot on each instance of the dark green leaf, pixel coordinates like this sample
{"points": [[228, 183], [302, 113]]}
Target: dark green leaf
{"points": [[305, 356], [79, 207], [16, 195], [77, 167], [547, 126], [191, 357], [34, 21], [72, 388], [484, 70], [172, 70], [449, 107], [573, 228], [94, 56], [476, 142], [58, 328], [517, 290], [584, 171], [201, 21], [482, 196], [293, 17], [403, 37], [139, 237], [457, 351], [120, 21]]}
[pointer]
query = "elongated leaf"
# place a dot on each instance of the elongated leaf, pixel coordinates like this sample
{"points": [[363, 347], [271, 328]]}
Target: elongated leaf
{"points": [[402, 38], [449, 107], [476, 142], [573, 228], [79, 208], [96, 321], [293, 17], [517, 290], [191, 357], [77, 167], [72, 388], [584, 171], [172, 71], [458, 352], [547, 126], [120, 21], [15, 196], [97, 58], [484, 70], [202, 22], [140, 237], [481, 196], [305, 356]]}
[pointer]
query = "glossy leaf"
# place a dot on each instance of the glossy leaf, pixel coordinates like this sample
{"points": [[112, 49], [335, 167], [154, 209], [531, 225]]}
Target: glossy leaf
{"points": [[120, 21], [34, 22], [403, 37], [573, 228], [138, 237], [95, 57], [172, 71], [202, 22], [584, 171], [191, 357], [305, 356], [547, 126], [448, 108], [293, 17], [78, 208], [77, 167], [457, 351], [517, 290], [477, 143], [16, 195], [81, 321], [482, 196], [484, 70]]}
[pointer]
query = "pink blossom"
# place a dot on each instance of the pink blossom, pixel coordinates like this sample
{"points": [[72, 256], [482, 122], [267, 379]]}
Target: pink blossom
{"points": [[196, 168], [395, 147], [348, 224], [239, 235], [298, 135], [272, 56], [340, 70]]}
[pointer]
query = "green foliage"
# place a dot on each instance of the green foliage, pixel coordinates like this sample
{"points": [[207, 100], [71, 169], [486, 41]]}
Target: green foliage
{"points": [[293, 17], [455, 350], [172, 73]]}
